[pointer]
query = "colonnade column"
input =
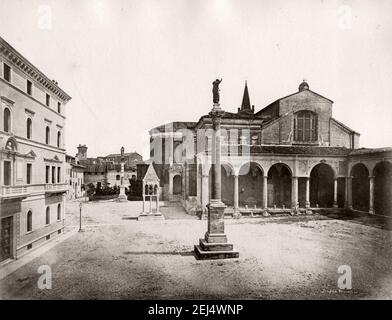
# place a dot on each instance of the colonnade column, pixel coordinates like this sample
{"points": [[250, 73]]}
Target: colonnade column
{"points": [[236, 194], [170, 186], [371, 194], [348, 198], [265, 192], [294, 192], [307, 193], [335, 192]]}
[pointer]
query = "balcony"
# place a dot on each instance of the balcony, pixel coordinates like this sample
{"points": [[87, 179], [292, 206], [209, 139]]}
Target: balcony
{"points": [[13, 192], [56, 188]]}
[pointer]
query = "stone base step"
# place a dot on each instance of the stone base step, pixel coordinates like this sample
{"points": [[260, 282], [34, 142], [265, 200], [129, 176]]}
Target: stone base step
{"points": [[207, 246], [152, 216], [206, 255], [172, 204]]}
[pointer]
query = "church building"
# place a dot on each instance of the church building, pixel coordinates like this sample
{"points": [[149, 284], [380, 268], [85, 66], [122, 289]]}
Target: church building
{"points": [[291, 156]]}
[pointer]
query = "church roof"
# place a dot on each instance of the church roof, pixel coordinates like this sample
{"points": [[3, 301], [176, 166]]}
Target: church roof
{"points": [[362, 151], [112, 155], [304, 86]]}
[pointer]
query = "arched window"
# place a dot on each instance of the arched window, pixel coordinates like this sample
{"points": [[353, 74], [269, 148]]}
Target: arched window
{"points": [[305, 126], [29, 221], [29, 127], [59, 211], [7, 120], [47, 218], [117, 177], [47, 135], [58, 139]]}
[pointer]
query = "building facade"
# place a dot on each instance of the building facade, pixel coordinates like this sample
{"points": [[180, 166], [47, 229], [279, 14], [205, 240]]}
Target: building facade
{"points": [[106, 170], [32, 155], [290, 156], [74, 178]]}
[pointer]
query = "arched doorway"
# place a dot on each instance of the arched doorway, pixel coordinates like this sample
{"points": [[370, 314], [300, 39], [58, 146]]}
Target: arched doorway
{"points": [[382, 188], [360, 187], [250, 185], [321, 186], [279, 186], [177, 184]]}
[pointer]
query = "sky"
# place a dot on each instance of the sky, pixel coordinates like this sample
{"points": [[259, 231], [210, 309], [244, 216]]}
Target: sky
{"points": [[132, 65]]}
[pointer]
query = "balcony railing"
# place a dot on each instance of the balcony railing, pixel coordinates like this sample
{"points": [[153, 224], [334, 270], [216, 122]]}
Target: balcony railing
{"points": [[58, 187], [13, 191], [30, 189]]}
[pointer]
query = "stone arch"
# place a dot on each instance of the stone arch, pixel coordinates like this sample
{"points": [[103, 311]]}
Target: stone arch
{"points": [[177, 184], [11, 144], [360, 186], [287, 165], [279, 185], [250, 184], [229, 168], [382, 173], [353, 164], [330, 165], [322, 178]]}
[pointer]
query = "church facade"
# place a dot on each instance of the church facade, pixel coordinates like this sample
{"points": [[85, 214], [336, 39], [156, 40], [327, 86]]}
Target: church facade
{"points": [[290, 156]]}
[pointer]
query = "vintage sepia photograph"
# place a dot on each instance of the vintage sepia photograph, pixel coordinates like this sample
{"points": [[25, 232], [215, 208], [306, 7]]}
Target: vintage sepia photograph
{"points": [[197, 150]]}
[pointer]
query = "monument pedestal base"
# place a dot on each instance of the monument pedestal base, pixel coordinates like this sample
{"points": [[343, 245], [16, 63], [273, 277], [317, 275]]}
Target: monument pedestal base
{"points": [[150, 216], [214, 245], [122, 198]]}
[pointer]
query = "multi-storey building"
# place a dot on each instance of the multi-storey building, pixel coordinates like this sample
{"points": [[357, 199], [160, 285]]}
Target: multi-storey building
{"points": [[291, 155], [74, 178], [32, 155], [106, 170]]}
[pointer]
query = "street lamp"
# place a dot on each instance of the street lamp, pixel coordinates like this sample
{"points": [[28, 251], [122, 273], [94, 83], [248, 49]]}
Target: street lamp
{"points": [[80, 216]]}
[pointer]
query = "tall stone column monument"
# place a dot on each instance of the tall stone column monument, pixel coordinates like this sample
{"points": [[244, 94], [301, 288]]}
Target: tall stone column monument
{"points": [[214, 245], [122, 196]]}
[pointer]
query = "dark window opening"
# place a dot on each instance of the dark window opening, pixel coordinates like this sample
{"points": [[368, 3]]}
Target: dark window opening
{"points": [[47, 217], [48, 100], [29, 88], [47, 139], [28, 173], [7, 120], [305, 126], [29, 221], [53, 174], [47, 172], [7, 72], [29, 127]]}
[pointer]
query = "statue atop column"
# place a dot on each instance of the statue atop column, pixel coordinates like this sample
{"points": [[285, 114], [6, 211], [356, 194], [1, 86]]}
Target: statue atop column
{"points": [[215, 91]]}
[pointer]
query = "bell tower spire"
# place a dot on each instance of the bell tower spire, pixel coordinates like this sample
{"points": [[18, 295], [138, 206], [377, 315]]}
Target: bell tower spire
{"points": [[245, 105]]}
